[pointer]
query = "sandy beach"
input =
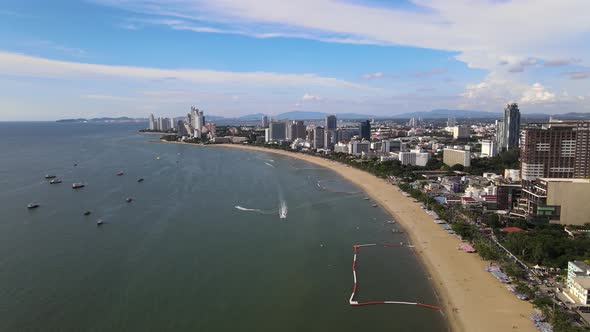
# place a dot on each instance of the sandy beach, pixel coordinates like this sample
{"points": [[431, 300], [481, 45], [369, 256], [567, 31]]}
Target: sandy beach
{"points": [[472, 298]]}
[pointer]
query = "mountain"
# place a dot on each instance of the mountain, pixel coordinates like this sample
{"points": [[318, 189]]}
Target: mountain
{"points": [[255, 116], [445, 113], [307, 115]]}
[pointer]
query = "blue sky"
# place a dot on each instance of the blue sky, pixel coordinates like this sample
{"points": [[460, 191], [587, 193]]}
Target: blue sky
{"points": [[233, 57]]}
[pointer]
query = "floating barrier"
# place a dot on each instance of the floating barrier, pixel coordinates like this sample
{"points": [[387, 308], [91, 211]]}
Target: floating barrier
{"points": [[352, 302]]}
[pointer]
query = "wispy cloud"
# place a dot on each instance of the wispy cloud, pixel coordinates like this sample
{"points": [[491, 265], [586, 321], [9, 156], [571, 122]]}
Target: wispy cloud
{"points": [[561, 62], [310, 97], [578, 75], [373, 76], [50, 45], [19, 64]]}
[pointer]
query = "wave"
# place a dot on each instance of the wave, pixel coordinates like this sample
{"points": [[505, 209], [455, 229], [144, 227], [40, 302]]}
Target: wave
{"points": [[246, 209], [283, 210]]}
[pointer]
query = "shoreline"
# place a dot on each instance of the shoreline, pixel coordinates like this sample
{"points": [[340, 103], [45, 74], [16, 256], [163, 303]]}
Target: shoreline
{"points": [[472, 299]]}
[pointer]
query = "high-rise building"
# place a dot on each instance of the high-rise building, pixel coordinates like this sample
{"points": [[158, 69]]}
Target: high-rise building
{"points": [[264, 121], [318, 138], [414, 122], [451, 121], [277, 131], [300, 129], [511, 127], [460, 132], [172, 123], [500, 134], [330, 122], [152, 122], [329, 139], [181, 129], [453, 157], [556, 150], [365, 130], [489, 148]]}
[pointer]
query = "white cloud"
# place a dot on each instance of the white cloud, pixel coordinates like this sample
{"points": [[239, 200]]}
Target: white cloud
{"points": [[483, 32], [50, 45], [24, 65], [373, 76], [309, 97], [537, 94]]}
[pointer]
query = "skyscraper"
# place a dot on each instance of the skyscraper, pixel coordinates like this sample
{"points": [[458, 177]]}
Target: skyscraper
{"points": [[277, 131], [318, 138], [500, 134], [511, 132], [555, 150], [152, 122], [264, 121], [451, 121], [365, 130], [330, 122]]}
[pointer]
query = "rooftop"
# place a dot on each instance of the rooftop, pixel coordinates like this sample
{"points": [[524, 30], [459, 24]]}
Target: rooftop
{"points": [[583, 281], [565, 180], [512, 229]]}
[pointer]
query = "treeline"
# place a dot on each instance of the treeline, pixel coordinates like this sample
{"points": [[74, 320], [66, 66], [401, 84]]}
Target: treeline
{"points": [[548, 245]]}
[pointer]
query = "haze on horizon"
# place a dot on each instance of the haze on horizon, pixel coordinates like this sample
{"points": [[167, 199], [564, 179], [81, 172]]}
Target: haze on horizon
{"points": [[111, 58]]}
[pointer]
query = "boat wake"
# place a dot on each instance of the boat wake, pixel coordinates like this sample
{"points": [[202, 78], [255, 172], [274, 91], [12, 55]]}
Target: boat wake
{"points": [[271, 165], [283, 210], [246, 209]]}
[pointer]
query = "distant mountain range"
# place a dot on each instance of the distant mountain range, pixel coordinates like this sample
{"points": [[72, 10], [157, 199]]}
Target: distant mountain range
{"points": [[308, 115]]}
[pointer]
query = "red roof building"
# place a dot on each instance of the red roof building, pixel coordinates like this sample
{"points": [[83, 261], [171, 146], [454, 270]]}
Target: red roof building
{"points": [[512, 230]]}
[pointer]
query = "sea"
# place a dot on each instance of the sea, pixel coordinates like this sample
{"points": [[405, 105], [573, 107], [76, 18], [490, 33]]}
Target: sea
{"points": [[215, 239]]}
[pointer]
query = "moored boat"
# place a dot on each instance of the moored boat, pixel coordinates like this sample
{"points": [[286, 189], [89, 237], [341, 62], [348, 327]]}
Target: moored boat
{"points": [[50, 176], [77, 185], [32, 205], [87, 213], [120, 173], [129, 200], [140, 180], [99, 222], [55, 181]]}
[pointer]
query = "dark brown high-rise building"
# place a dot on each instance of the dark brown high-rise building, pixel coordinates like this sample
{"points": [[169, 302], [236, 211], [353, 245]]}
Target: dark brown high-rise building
{"points": [[555, 150]]}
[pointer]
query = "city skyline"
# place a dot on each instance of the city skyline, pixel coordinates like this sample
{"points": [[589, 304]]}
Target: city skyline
{"points": [[126, 58]]}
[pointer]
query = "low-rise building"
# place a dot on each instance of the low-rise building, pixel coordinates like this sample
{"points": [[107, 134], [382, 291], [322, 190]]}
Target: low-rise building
{"points": [[578, 281]]}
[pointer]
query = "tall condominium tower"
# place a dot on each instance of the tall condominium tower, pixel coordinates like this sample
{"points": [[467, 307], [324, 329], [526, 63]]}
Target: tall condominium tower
{"points": [[556, 150], [330, 122], [264, 121], [511, 132], [365, 130]]}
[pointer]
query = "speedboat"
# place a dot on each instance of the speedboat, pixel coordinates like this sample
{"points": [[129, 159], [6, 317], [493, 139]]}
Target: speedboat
{"points": [[129, 200], [54, 181], [78, 185], [32, 205], [99, 222], [50, 176], [87, 213], [140, 180], [120, 173]]}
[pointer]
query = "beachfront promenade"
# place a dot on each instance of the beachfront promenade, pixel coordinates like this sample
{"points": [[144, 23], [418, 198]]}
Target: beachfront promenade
{"points": [[473, 300]]}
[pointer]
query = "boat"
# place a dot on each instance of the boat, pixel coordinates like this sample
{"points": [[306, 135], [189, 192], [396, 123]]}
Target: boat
{"points": [[158, 158], [78, 185], [120, 173], [396, 231], [32, 205], [391, 221], [374, 205], [87, 213], [54, 181], [129, 200], [50, 176], [366, 198], [140, 180], [99, 222]]}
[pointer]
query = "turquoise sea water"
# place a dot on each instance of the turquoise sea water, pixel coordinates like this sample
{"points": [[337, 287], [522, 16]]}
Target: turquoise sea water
{"points": [[181, 256]]}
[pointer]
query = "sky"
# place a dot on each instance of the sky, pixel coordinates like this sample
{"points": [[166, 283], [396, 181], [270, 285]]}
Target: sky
{"points": [[95, 58]]}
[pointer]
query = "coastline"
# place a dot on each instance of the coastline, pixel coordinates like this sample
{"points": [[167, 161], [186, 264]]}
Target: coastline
{"points": [[472, 299]]}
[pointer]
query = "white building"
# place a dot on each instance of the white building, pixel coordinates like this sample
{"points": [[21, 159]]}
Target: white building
{"points": [[460, 132], [414, 158], [578, 281], [358, 147], [489, 148], [152, 122], [341, 147]]}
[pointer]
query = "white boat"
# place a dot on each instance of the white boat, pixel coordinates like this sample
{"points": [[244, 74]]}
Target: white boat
{"points": [[32, 205], [283, 210], [77, 185], [99, 222]]}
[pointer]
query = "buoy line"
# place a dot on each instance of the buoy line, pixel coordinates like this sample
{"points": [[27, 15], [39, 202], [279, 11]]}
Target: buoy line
{"points": [[353, 302]]}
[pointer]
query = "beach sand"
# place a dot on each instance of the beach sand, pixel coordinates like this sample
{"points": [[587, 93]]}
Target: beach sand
{"points": [[472, 298]]}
